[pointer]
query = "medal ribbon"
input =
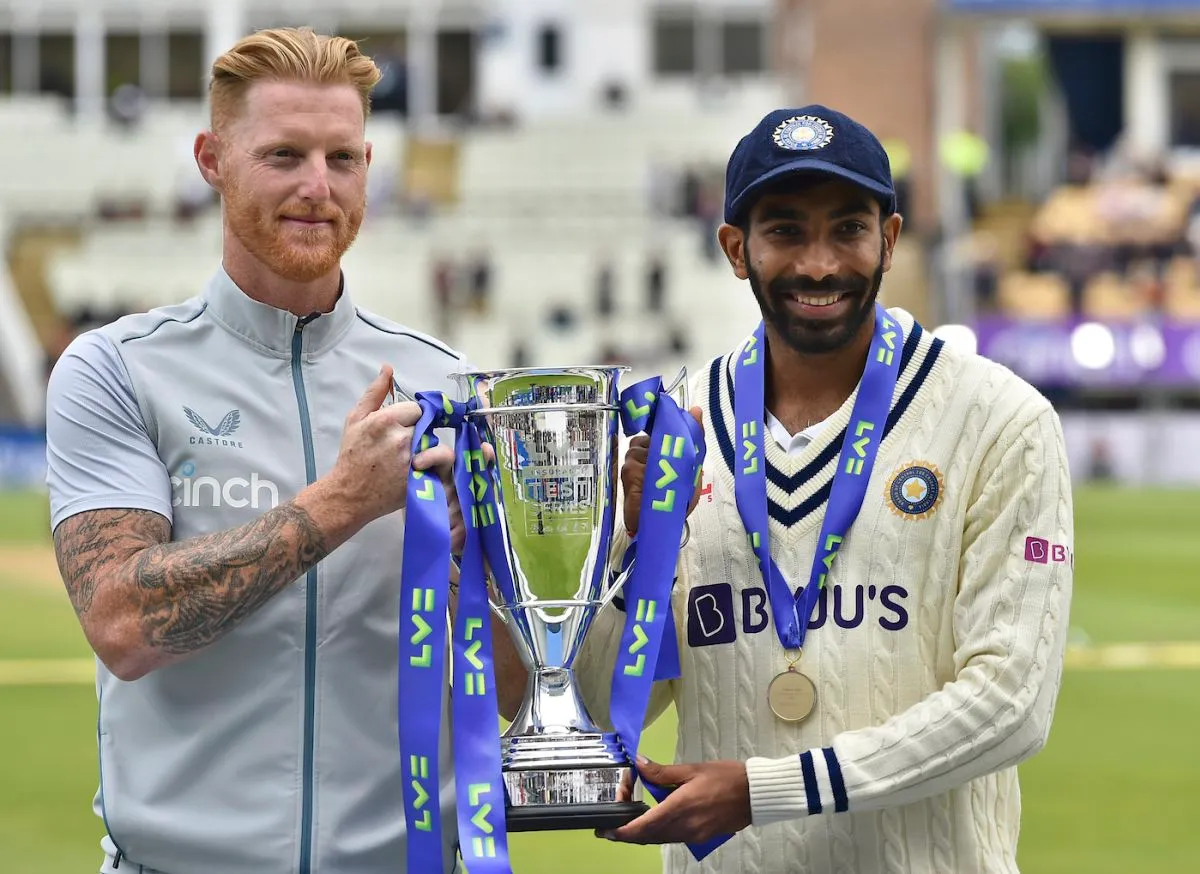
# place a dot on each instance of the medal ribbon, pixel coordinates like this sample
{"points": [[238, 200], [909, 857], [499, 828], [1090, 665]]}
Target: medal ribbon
{"points": [[791, 613], [857, 459]]}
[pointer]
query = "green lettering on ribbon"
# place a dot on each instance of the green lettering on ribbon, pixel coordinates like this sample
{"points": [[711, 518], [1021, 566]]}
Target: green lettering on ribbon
{"points": [[418, 767], [481, 847], [422, 602]]}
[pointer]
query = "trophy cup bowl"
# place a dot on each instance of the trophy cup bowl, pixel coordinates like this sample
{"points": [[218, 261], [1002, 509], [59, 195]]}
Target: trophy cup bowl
{"points": [[556, 436]]}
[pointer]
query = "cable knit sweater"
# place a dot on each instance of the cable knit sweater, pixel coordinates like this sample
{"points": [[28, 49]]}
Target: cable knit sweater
{"points": [[936, 648]]}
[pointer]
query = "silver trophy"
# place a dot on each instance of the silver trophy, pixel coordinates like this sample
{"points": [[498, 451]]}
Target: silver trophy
{"points": [[556, 436]]}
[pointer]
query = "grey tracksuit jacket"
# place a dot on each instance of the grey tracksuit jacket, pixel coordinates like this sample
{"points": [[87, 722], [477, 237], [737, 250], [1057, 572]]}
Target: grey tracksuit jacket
{"points": [[274, 751]]}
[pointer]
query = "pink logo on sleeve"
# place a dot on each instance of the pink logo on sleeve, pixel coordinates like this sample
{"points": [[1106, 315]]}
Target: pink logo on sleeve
{"points": [[1042, 551], [1037, 549]]}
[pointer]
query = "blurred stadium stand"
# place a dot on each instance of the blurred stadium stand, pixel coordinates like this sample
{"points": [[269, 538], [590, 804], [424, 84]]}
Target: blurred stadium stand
{"points": [[547, 177], [544, 203]]}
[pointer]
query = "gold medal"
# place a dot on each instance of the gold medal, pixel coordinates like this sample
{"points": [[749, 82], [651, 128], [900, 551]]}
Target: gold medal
{"points": [[792, 695]]}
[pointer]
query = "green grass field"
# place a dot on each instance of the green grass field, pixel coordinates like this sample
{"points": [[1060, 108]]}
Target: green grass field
{"points": [[1115, 791]]}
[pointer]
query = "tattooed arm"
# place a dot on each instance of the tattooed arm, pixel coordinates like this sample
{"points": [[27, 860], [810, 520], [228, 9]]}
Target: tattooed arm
{"points": [[145, 602]]}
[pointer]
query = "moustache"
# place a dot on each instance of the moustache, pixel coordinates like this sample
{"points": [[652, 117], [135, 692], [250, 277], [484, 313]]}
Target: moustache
{"points": [[829, 285], [313, 215]]}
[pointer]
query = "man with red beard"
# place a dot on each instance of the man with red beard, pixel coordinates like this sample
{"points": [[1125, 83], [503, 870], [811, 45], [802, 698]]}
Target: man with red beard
{"points": [[227, 478]]}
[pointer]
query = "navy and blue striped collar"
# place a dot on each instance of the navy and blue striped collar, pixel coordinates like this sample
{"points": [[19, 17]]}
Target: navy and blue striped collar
{"points": [[721, 387]]}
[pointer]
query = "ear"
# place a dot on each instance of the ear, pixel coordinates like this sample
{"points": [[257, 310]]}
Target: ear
{"points": [[367, 153], [733, 243], [891, 233], [206, 150]]}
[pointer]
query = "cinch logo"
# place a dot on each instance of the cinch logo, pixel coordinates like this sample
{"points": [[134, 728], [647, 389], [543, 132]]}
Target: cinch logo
{"points": [[206, 491], [712, 620], [1041, 551], [219, 435]]}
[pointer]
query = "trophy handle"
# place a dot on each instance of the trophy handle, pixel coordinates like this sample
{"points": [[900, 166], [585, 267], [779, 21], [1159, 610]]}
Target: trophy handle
{"points": [[618, 584], [678, 389], [623, 577], [498, 611]]}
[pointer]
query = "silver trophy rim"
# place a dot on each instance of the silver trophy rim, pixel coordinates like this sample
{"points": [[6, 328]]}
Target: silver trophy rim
{"points": [[469, 376], [541, 369], [559, 604], [547, 408]]}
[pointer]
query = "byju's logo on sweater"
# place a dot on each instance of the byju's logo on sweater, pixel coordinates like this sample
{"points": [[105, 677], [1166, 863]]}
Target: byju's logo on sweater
{"points": [[215, 436], [712, 618], [710, 615]]}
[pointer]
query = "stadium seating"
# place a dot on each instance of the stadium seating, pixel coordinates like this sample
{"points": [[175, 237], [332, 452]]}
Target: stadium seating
{"points": [[1124, 243], [545, 200]]}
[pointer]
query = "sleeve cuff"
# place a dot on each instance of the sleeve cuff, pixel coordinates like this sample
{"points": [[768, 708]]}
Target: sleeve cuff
{"points": [[795, 786], [776, 790]]}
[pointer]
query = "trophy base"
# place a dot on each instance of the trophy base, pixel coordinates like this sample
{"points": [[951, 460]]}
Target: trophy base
{"points": [[568, 781], [569, 817]]}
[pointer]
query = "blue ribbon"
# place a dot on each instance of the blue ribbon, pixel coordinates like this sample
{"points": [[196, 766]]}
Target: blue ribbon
{"points": [[855, 463], [676, 457], [425, 595], [673, 469], [424, 592], [668, 667], [479, 784]]}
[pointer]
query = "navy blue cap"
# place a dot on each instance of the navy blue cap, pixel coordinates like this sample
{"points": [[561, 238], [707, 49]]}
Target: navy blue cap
{"points": [[811, 139]]}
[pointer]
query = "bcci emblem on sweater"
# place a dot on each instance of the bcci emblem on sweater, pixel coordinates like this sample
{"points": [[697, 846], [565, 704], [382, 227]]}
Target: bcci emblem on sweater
{"points": [[915, 490]]}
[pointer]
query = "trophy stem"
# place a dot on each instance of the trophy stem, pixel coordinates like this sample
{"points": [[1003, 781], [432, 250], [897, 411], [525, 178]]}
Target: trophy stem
{"points": [[552, 705]]}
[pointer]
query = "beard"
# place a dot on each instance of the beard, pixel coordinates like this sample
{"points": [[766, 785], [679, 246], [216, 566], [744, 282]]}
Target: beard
{"points": [[294, 253], [817, 336]]}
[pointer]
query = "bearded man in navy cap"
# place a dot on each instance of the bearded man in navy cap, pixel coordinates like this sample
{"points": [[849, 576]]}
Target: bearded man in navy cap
{"points": [[871, 610]]}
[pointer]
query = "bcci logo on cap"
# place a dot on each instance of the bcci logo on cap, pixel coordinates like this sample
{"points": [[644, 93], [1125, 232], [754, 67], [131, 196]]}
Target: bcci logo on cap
{"points": [[803, 133]]}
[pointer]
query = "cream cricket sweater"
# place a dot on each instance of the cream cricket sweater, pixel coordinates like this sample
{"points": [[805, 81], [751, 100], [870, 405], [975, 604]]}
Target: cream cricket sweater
{"points": [[936, 648]]}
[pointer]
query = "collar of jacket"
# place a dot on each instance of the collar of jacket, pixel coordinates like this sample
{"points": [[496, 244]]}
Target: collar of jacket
{"points": [[274, 329]]}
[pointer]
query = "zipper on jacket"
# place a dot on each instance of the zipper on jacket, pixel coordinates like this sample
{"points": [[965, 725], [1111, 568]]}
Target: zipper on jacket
{"points": [[120, 855], [310, 614]]}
